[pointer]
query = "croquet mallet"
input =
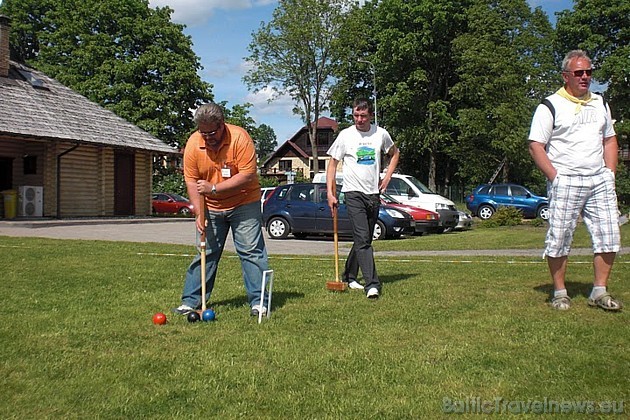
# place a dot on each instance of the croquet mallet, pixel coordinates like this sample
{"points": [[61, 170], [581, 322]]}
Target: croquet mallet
{"points": [[202, 250], [337, 285]]}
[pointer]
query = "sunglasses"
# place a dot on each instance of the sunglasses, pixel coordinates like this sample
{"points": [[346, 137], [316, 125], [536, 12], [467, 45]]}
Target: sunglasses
{"points": [[580, 73], [210, 133]]}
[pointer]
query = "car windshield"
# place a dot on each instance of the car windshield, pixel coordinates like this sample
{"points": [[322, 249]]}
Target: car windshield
{"points": [[178, 197], [389, 199], [419, 185]]}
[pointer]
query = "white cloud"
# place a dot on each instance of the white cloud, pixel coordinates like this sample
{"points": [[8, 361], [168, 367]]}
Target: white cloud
{"points": [[281, 105], [197, 12]]}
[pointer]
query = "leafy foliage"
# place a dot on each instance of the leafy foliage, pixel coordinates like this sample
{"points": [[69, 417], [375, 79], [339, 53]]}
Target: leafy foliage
{"points": [[122, 54], [622, 185], [170, 180], [504, 216], [601, 28]]}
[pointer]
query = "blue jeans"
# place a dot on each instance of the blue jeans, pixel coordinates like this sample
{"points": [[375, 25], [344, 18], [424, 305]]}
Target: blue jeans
{"points": [[246, 224], [363, 213]]}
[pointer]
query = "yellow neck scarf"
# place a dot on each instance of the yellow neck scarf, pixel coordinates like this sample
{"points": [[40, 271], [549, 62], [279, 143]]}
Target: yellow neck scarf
{"points": [[579, 101]]}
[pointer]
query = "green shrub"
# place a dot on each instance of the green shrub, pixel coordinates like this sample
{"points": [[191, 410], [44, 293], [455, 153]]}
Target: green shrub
{"points": [[169, 180], [537, 222], [268, 181], [504, 216]]}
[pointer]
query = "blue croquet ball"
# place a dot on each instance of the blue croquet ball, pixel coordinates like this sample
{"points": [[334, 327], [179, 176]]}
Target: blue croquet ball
{"points": [[192, 316], [208, 315]]}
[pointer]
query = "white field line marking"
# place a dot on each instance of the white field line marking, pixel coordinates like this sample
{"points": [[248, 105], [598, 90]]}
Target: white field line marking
{"points": [[437, 260]]}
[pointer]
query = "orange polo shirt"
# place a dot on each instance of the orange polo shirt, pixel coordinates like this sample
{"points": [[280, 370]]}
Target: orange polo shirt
{"points": [[236, 154]]}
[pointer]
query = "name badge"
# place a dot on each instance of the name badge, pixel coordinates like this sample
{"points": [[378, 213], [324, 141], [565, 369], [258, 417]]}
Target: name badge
{"points": [[225, 172]]}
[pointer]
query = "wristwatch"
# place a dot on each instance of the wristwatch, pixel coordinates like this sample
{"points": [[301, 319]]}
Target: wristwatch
{"points": [[213, 191]]}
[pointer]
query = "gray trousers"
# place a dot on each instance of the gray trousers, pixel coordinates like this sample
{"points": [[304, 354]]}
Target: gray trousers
{"points": [[363, 213]]}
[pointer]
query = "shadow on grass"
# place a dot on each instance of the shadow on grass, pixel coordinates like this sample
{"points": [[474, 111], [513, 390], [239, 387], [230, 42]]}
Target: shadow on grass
{"points": [[574, 289], [394, 278], [278, 300]]}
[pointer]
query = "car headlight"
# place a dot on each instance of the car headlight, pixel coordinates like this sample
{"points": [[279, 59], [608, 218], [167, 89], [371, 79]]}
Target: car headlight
{"points": [[395, 213], [441, 206]]}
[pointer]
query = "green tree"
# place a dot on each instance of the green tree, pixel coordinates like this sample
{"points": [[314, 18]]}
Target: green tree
{"points": [[601, 28], [505, 66], [265, 139], [409, 44], [122, 54], [297, 53]]}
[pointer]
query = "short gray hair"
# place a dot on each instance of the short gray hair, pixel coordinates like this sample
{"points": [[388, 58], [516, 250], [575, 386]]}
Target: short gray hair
{"points": [[571, 55], [209, 113]]}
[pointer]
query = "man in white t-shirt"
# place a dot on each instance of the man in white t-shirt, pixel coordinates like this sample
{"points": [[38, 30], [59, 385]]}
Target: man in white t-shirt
{"points": [[360, 148], [572, 141]]}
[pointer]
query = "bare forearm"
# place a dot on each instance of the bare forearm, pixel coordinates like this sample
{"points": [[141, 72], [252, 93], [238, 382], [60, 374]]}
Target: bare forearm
{"points": [[394, 155], [611, 153], [539, 155]]}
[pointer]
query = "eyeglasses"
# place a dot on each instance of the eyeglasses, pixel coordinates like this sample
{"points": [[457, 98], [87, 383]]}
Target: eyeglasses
{"points": [[580, 73], [210, 133]]}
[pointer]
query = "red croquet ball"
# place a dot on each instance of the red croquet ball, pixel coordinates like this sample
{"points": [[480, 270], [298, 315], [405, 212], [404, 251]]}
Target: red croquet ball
{"points": [[159, 319]]}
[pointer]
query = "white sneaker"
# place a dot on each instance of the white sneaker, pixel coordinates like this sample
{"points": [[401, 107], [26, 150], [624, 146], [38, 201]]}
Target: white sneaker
{"points": [[372, 293], [355, 285], [257, 309], [183, 310]]}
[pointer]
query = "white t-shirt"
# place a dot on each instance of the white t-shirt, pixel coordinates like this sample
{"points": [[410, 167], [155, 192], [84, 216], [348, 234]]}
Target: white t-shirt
{"points": [[574, 143], [361, 153]]}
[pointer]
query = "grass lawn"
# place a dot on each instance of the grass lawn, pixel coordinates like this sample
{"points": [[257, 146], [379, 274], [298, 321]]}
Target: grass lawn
{"points": [[514, 237], [78, 339]]}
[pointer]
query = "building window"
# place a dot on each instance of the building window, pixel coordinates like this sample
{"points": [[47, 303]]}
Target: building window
{"points": [[285, 165], [321, 164], [323, 139], [30, 165]]}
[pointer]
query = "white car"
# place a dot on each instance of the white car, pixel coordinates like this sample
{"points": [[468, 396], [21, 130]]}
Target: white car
{"points": [[408, 190]]}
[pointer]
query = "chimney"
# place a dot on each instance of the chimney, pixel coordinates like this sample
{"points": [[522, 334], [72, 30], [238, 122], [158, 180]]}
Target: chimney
{"points": [[5, 28]]}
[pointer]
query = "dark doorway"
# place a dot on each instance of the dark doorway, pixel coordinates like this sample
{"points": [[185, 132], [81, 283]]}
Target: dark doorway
{"points": [[124, 182], [6, 173]]}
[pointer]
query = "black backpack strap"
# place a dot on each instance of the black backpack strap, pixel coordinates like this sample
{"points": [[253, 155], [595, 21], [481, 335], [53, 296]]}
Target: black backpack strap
{"points": [[546, 102]]}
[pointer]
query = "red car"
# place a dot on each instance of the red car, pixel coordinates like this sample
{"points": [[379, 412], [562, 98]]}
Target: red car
{"points": [[426, 221], [171, 203]]}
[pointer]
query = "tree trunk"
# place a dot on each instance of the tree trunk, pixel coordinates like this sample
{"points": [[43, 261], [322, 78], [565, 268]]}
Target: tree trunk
{"points": [[312, 137], [432, 166]]}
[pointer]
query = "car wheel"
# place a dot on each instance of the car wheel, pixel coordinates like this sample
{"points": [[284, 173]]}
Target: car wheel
{"points": [[278, 228], [184, 211], [543, 212], [379, 231], [485, 212]]}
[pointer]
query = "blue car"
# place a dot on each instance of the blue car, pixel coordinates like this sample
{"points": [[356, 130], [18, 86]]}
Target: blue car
{"points": [[487, 198], [302, 210]]}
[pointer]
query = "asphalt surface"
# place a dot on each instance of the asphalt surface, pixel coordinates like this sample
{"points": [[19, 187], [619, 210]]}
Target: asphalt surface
{"points": [[182, 231]]}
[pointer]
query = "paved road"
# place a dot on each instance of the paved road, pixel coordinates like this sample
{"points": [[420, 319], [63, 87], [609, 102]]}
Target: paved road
{"points": [[181, 231], [161, 230]]}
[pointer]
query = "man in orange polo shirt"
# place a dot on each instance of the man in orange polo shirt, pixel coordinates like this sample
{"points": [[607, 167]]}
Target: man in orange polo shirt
{"points": [[220, 171]]}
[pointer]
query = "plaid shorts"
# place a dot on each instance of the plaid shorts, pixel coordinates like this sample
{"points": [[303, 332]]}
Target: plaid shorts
{"points": [[592, 197]]}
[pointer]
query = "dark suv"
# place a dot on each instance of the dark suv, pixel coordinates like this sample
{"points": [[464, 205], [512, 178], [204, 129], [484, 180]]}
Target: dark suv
{"points": [[487, 198], [302, 209]]}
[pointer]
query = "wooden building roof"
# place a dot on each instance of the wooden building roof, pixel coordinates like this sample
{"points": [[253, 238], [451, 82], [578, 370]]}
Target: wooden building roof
{"points": [[33, 105]]}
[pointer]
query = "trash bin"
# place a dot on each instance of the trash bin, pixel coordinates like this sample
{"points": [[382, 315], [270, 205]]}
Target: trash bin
{"points": [[10, 203]]}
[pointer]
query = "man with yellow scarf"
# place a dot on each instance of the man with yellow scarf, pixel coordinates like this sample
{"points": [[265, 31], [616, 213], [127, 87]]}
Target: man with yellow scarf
{"points": [[575, 147]]}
